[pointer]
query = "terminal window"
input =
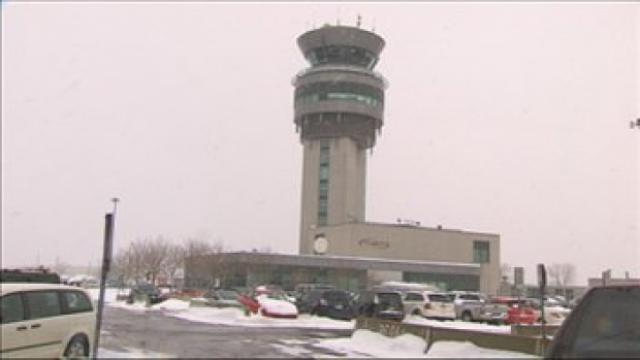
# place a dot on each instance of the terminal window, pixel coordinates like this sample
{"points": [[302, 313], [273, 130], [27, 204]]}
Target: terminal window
{"points": [[481, 251]]}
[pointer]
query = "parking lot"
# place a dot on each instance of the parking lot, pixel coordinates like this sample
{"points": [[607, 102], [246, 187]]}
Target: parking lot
{"points": [[153, 334]]}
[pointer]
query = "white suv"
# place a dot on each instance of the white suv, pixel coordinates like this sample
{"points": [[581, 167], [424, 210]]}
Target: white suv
{"points": [[45, 320], [429, 304]]}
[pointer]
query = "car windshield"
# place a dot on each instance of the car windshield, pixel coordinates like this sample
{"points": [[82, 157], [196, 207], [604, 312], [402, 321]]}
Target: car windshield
{"points": [[610, 324]]}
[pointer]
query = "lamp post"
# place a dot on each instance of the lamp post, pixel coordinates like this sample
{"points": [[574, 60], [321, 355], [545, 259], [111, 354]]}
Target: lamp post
{"points": [[106, 264]]}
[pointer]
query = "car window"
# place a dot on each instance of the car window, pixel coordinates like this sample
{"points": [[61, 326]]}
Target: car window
{"points": [[414, 297], [440, 298], [470, 297], [610, 322], [43, 304], [11, 309], [76, 302]]}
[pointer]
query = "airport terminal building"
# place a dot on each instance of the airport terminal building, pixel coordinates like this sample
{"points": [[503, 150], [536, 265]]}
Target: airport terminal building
{"points": [[338, 112]]}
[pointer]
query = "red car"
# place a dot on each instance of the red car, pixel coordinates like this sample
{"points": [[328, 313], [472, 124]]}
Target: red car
{"points": [[520, 310], [268, 303]]}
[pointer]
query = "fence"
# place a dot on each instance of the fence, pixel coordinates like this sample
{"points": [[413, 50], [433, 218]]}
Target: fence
{"points": [[507, 342]]}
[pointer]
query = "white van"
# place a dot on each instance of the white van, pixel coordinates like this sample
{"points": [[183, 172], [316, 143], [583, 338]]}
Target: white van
{"points": [[45, 320]]}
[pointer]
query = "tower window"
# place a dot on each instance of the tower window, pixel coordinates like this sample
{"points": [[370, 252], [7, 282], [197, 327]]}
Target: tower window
{"points": [[323, 186]]}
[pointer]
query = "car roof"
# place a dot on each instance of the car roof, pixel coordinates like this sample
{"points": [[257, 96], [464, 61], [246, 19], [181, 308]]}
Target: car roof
{"points": [[7, 288]]}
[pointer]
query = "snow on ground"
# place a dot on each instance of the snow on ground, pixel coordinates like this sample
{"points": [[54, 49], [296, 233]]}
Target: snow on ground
{"points": [[109, 294], [458, 324], [234, 316], [466, 349], [130, 353], [136, 306], [171, 305], [365, 343], [237, 317]]}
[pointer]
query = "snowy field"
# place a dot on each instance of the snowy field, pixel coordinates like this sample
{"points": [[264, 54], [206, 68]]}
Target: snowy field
{"points": [[368, 344]]}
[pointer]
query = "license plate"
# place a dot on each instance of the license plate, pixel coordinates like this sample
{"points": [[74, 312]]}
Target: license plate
{"points": [[339, 307]]}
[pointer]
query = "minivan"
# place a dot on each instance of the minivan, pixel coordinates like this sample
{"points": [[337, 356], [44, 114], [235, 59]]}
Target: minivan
{"points": [[45, 320]]}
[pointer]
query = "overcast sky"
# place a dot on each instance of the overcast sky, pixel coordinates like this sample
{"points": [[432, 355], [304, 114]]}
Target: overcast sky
{"points": [[505, 118]]}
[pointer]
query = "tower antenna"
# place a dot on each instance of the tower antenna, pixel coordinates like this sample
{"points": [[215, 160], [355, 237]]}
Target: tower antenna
{"points": [[359, 21]]}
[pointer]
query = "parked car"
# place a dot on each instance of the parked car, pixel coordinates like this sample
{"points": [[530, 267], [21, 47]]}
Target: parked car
{"points": [[45, 320], [271, 304], [37, 275], [384, 305], [554, 314], [146, 293], [473, 306], [335, 304], [521, 311], [221, 298], [605, 324], [433, 305], [304, 288]]}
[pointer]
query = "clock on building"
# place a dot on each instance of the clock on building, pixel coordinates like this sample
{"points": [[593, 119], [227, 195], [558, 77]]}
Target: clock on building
{"points": [[320, 244]]}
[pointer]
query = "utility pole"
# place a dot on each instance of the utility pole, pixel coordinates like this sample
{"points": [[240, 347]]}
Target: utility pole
{"points": [[109, 225]]}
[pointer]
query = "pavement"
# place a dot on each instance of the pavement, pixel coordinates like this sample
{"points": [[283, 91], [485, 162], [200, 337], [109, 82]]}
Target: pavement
{"points": [[123, 330]]}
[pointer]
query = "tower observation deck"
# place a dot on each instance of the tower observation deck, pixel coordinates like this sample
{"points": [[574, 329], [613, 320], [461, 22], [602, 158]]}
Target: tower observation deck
{"points": [[340, 94], [338, 112]]}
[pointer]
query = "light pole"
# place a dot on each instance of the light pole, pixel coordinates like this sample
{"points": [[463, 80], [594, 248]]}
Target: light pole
{"points": [[106, 264]]}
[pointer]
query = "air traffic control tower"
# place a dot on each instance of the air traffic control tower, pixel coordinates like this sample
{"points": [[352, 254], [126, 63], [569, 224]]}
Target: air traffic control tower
{"points": [[338, 107]]}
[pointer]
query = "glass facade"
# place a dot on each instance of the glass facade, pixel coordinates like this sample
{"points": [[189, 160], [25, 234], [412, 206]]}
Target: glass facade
{"points": [[481, 252], [323, 187], [323, 91], [446, 282], [342, 54]]}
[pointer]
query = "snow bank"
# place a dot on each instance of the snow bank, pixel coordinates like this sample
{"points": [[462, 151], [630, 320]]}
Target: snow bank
{"points": [[109, 293], [237, 317], [364, 343], [171, 305], [136, 306], [457, 324], [371, 344]]}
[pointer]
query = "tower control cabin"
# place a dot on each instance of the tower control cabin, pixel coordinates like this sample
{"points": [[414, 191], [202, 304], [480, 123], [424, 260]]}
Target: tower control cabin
{"points": [[339, 108]]}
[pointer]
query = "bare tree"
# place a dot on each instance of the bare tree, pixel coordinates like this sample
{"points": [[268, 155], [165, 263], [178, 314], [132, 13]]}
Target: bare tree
{"points": [[562, 274], [154, 257], [174, 261], [215, 266]]}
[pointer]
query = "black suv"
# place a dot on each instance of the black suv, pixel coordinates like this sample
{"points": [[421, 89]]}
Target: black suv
{"points": [[335, 304], [383, 305], [145, 292], [605, 324]]}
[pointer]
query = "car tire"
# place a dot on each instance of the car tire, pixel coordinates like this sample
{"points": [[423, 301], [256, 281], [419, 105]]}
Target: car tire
{"points": [[416, 312], [78, 348], [466, 316]]}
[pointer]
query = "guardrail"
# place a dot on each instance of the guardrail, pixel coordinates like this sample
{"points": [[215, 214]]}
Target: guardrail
{"points": [[506, 342]]}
